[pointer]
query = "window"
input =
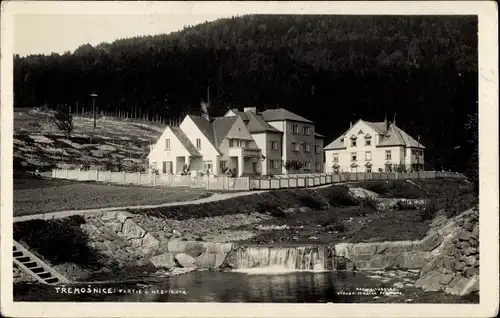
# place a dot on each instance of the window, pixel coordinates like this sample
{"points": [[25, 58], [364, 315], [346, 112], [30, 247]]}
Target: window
{"points": [[353, 156], [335, 157], [307, 165], [336, 170], [353, 142], [222, 164], [388, 155], [307, 131], [317, 149], [167, 143], [237, 143], [207, 165], [307, 148], [368, 155], [318, 166], [274, 164], [198, 143], [369, 169], [360, 132], [295, 146], [368, 142], [295, 129], [274, 145]]}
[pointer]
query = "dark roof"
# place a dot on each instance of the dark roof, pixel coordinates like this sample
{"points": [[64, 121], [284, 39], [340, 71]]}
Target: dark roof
{"points": [[258, 124], [221, 126], [243, 115], [205, 126], [282, 114], [185, 141], [316, 135]]}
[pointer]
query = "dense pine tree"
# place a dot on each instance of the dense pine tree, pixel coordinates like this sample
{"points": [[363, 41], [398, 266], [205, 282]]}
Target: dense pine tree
{"points": [[330, 69]]}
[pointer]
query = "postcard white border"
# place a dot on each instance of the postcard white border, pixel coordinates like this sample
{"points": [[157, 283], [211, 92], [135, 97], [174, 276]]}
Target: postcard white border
{"points": [[488, 161]]}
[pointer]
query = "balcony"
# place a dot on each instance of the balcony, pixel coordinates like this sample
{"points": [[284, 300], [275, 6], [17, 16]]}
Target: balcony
{"points": [[245, 152]]}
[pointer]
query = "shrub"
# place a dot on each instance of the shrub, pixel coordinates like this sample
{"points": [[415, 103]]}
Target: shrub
{"points": [[429, 210], [271, 208], [368, 202], [310, 202], [58, 241], [333, 224], [406, 205], [340, 196]]}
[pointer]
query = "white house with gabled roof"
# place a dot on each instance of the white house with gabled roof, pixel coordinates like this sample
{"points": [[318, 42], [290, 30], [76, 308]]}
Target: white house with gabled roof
{"points": [[247, 142], [373, 147]]}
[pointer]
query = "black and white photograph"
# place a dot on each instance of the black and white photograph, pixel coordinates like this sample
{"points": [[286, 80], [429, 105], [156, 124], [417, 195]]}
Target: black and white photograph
{"points": [[282, 154]]}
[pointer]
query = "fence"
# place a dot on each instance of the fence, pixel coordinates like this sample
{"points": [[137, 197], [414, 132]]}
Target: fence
{"points": [[242, 183]]}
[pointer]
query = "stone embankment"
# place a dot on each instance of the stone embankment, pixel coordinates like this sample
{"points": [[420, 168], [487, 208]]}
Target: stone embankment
{"points": [[448, 256], [118, 236]]}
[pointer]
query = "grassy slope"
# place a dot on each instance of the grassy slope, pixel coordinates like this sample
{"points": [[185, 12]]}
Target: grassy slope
{"points": [[112, 139], [36, 195]]}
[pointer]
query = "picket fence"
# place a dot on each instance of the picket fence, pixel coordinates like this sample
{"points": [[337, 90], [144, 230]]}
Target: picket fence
{"points": [[242, 183]]}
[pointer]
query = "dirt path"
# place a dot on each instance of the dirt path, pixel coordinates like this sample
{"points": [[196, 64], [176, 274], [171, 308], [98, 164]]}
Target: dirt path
{"points": [[61, 214]]}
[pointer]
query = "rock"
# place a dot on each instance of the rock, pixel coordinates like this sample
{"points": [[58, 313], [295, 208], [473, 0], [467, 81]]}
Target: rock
{"points": [[176, 233], [470, 251], [449, 250], [459, 266], [122, 217], [176, 246], [399, 285], [475, 231], [149, 241], [108, 216], [304, 209], [464, 235], [108, 234], [415, 260], [446, 278], [115, 226], [401, 246], [185, 260], [471, 260], [429, 281], [463, 244], [206, 260], [136, 242], [430, 242], [209, 247], [142, 262], [100, 246], [471, 286], [132, 230], [457, 285], [130, 250], [471, 271], [468, 226], [111, 246], [474, 243], [166, 260], [365, 248]]}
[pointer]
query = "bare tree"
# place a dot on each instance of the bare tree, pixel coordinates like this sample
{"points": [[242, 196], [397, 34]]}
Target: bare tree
{"points": [[63, 120]]}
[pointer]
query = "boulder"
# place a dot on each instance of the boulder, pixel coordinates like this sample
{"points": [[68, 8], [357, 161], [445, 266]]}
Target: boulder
{"points": [[475, 231], [430, 242], [459, 266], [446, 279], [470, 251], [108, 216], [185, 260], [468, 225], [365, 248], [122, 217], [206, 260], [471, 271], [471, 260], [176, 246], [111, 246], [414, 260], [99, 246], [115, 226], [149, 241], [165, 260], [194, 249], [219, 259], [430, 281], [136, 242], [457, 285], [471, 286], [132, 231], [464, 235]]}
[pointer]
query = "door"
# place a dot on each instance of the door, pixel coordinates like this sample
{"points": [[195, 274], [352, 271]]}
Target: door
{"points": [[254, 167], [167, 167]]}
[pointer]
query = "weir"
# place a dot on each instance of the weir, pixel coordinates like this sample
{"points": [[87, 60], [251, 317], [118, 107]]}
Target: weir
{"points": [[280, 258]]}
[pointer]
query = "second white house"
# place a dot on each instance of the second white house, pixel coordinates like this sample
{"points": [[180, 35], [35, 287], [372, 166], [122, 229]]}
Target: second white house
{"points": [[374, 147]]}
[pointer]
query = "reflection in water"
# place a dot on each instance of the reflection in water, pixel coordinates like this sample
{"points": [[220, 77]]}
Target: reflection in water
{"points": [[238, 287]]}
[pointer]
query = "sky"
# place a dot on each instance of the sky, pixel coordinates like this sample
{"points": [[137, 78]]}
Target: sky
{"points": [[47, 33]]}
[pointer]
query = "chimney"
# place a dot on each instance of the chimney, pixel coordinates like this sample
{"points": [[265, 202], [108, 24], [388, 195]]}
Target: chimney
{"points": [[252, 110], [394, 120], [386, 123], [350, 124]]}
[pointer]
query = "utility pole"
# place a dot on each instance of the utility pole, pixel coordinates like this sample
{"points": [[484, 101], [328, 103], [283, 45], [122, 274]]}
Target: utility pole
{"points": [[94, 95]]}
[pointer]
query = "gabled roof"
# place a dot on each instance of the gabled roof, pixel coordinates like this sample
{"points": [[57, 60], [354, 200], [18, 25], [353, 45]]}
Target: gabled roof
{"points": [[185, 141], [257, 124], [221, 126], [394, 136], [397, 137], [280, 114], [243, 115], [206, 128]]}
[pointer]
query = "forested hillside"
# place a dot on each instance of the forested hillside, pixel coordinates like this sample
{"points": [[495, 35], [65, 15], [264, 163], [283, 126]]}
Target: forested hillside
{"points": [[330, 69]]}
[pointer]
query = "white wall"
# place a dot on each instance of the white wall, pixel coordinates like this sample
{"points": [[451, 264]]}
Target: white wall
{"points": [[207, 150], [319, 156], [159, 153]]}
